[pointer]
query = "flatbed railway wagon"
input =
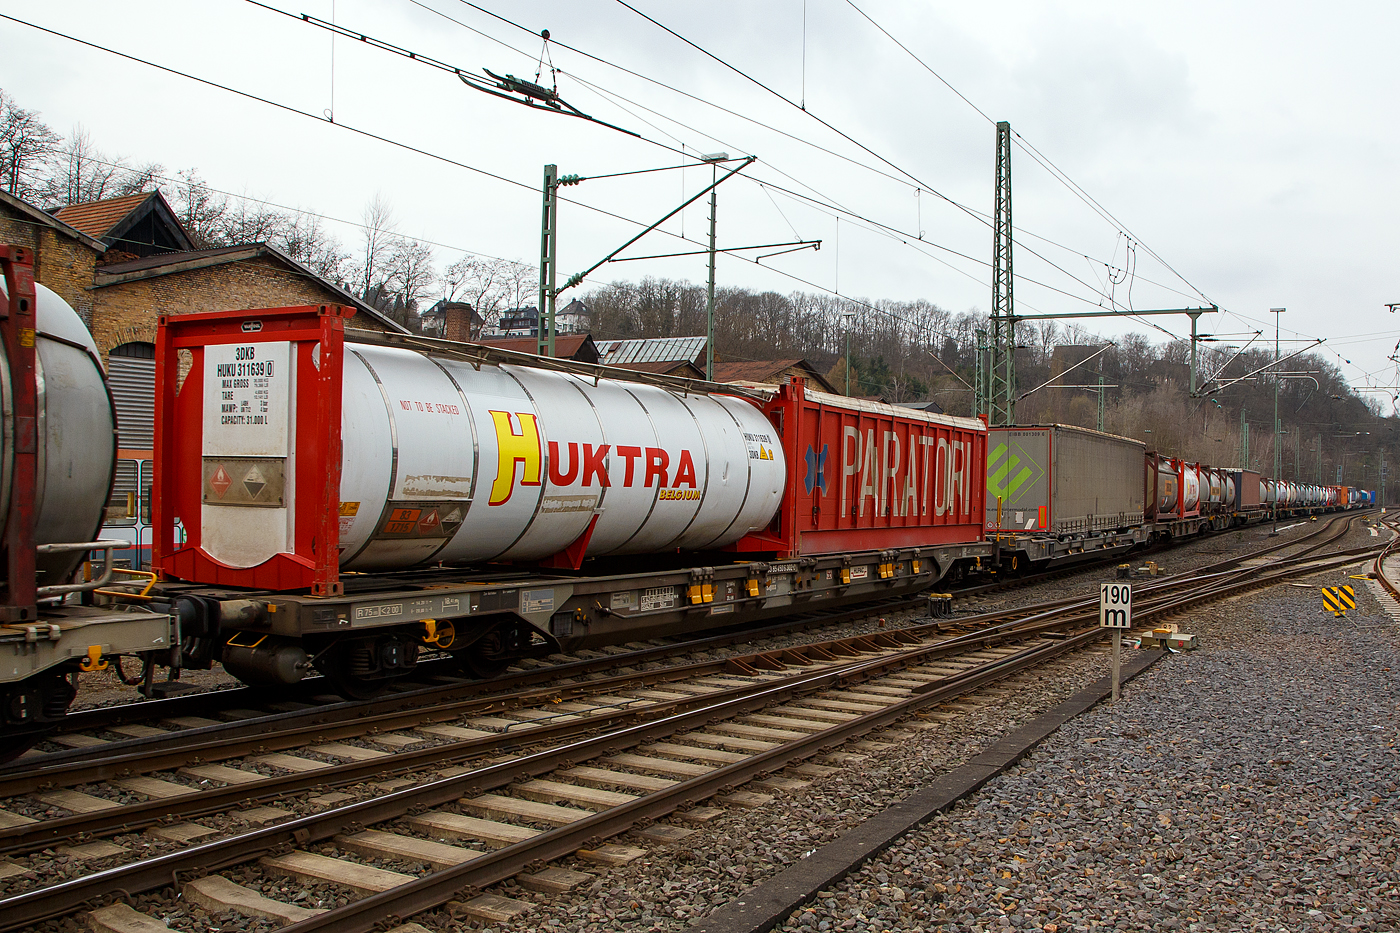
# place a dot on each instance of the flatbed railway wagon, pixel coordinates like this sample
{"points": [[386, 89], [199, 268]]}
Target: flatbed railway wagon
{"points": [[1061, 493], [349, 501], [57, 449]]}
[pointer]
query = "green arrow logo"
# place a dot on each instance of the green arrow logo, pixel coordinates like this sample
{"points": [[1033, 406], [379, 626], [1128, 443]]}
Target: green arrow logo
{"points": [[996, 474]]}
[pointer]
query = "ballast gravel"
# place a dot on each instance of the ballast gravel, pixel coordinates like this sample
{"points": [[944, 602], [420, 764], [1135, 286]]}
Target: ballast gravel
{"points": [[1248, 785], [1241, 786]]}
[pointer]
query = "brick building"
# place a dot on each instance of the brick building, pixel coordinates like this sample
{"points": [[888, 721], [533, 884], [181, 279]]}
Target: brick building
{"points": [[64, 257], [129, 295], [132, 226], [123, 262]]}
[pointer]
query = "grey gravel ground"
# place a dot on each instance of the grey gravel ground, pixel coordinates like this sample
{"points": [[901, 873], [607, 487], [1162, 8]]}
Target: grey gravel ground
{"points": [[1249, 785]]}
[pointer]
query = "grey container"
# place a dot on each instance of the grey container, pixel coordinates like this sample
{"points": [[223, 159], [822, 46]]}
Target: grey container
{"points": [[1059, 479]]}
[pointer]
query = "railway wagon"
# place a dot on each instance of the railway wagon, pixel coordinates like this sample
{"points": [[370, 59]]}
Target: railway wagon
{"points": [[56, 462], [1248, 504], [349, 502], [1057, 492]]}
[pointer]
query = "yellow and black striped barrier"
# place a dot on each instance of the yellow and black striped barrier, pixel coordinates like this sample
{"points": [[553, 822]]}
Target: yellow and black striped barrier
{"points": [[1338, 599]]}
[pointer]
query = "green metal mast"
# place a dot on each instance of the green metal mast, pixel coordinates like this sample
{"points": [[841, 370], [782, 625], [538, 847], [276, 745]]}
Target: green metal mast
{"points": [[979, 377], [1002, 383], [549, 251], [1100, 401], [710, 285]]}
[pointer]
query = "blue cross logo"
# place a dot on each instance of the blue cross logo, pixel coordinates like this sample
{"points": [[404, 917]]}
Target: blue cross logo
{"points": [[816, 469]]}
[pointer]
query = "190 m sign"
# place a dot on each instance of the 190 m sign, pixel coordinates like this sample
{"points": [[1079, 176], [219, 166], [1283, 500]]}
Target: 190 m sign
{"points": [[1115, 605]]}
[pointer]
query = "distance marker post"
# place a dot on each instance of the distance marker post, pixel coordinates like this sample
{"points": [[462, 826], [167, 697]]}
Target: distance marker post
{"points": [[1116, 612]]}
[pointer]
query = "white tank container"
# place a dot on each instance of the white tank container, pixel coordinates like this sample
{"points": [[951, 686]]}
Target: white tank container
{"points": [[1167, 483], [1191, 495], [76, 431], [1217, 487], [446, 462]]}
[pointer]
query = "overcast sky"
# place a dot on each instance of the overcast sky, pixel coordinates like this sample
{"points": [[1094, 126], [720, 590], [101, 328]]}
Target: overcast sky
{"points": [[1246, 151]]}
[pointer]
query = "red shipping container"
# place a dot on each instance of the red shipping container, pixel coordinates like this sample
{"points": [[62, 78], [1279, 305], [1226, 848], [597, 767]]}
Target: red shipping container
{"points": [[864, 476]]}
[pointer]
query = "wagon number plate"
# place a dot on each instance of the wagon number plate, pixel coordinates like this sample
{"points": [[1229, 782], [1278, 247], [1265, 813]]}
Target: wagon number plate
{"points": [[659, 597]]}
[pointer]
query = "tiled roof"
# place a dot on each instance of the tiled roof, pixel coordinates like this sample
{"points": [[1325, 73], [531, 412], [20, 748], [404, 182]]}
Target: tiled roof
{"points": [[752, 370], [769, 371], [651, 349], [49, 220], [169, 259], [565, 347], [664, 368], [95, 218]]}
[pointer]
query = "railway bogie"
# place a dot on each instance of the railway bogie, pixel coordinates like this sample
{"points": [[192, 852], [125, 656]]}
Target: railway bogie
{"points": [[375, 632]]}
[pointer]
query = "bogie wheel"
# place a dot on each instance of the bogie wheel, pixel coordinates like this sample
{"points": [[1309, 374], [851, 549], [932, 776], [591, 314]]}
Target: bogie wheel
{"points": [[489, 655], [345, 672], [31, 708]]}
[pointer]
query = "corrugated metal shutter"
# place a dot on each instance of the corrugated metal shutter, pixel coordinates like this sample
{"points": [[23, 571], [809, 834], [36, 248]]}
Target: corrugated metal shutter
{"points": [[133, 384]]}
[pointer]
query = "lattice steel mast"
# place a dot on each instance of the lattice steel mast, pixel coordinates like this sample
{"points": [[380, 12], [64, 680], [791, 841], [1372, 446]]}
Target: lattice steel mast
{"points": [[1002, 384]]}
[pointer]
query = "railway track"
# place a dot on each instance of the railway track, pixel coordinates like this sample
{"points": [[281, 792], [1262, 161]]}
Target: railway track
{"points": [[182, 741], [598, 764], [1388, 577], [188, 717]]}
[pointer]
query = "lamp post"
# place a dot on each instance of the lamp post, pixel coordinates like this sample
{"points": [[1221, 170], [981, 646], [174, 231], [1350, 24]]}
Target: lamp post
{"points": [[1277, 465]]}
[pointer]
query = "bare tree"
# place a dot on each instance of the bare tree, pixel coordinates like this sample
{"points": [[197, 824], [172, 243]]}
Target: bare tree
{"points": [[27, 147], [201, 211], [248, 221], [411, 275], [490, 285], [305, 240], [380, 237], [82, 173], [134, 180]]}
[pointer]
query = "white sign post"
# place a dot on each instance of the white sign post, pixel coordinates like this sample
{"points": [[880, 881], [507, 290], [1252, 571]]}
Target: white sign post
{"points": [[1116, 612]]}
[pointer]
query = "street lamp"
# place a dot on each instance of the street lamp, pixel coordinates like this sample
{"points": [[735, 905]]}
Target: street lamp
{"points": [[1277, 467]]}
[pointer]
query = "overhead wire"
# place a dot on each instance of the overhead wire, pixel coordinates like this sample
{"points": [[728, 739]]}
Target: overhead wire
{"points": [[177, 181], [913, 178], [1035, 154], [431, 62], [1025, 144], [406, 146], [917, 186], [435, 156]]}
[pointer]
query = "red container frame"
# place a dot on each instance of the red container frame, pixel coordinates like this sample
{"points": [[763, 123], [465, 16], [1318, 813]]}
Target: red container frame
{"points": [[177, 485], [815, 441]]}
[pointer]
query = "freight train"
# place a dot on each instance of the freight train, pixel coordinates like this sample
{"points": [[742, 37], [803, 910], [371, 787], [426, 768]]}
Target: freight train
{"points": [[1062, 493], [338, 501]]}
